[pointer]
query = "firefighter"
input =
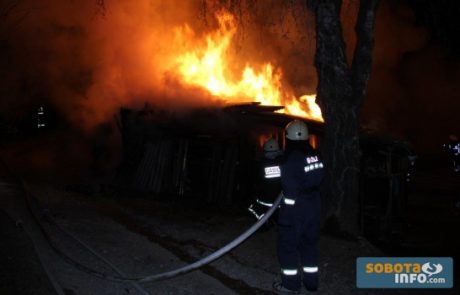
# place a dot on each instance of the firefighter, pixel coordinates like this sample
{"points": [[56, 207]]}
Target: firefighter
{"points": [[299, 213], [268, 184], [454, 148]]}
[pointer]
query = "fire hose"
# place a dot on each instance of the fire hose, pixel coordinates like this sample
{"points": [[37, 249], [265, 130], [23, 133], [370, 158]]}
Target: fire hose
{"points": [[221, 251], [169, 274]]}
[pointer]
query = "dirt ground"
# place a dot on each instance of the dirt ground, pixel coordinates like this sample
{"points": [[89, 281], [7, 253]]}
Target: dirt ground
{"points": [[144, 236]]}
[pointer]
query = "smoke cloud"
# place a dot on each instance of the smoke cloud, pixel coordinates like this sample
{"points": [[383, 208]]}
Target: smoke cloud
{"points": [[88, 64], [87, 61]]}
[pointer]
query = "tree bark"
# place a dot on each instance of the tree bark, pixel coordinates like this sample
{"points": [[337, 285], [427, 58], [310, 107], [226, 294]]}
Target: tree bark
{"points": [[340, 93]]}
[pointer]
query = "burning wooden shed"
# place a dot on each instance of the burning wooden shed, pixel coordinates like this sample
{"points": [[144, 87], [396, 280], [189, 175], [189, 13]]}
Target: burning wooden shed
{"points": [[210, 154]]}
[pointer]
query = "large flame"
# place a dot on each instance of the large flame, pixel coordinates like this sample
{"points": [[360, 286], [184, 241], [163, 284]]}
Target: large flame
{"points": [[206, 63]]}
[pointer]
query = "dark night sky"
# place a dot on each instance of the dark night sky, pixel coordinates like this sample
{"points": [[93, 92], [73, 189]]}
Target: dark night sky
{"points": [[86, 63]]}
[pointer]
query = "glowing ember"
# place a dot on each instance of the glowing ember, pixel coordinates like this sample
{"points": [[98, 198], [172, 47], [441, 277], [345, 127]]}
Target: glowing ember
{"points": [[206, 64]]}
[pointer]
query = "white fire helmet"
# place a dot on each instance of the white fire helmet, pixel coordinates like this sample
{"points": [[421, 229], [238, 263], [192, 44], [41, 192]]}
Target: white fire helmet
{"points": [[297, 130], [271, 145]]}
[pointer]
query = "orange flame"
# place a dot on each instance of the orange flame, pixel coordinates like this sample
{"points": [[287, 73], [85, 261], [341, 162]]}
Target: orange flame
{"points": [[206, 63]]}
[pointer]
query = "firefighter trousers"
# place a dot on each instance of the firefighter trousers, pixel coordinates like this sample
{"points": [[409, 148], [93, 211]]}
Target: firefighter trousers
{"points": [[298, 234]]}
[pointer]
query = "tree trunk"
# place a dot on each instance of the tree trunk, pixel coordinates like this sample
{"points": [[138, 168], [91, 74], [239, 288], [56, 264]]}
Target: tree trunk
{"points": [[341, 91]]}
